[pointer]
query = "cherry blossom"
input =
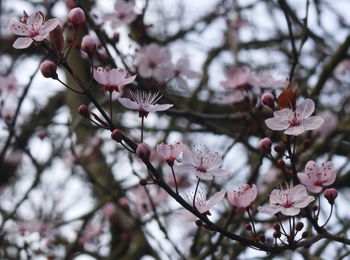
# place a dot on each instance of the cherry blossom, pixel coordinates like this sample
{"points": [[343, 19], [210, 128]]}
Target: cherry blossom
{"points": [[112, 79], [201, 203], [144, 102], [154, 61], [244, 197], [90, 233], [288, 201], [108, 210], [315, 178], [34, 29], [124, 13], [204, 164], [297, 121], [181, 70], [169, 152], [140, 198], [9, 85]]}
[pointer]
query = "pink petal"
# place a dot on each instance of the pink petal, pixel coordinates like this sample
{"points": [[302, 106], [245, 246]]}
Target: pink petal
{"points": [[217, 197], [295, 130], [283, 114], [276, 124], [268, 210], [128, 80], [22, 43], [305, 109], [292, 211], [128, 103], [100, 75], [313, 122], [219, 172], [18, 28], [40, 37], [311, 168], [158, 107], [187, 155], [204, 176], [49, 25], [181, 83], [163, 151], [35, 21], [144, 70]]}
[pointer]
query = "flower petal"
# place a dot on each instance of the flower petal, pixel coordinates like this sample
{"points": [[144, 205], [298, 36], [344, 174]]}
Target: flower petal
{"points": [[276, 124], [126, 102], [312, 122], [35, 21], [158, 107], [295, 130], [18, 28], [305, 109], [22, 43], [49, 25]]}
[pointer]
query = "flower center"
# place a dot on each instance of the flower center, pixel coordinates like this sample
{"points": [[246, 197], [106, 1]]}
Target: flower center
{"points": [[294, 121], [33, 33], [201, 169]]}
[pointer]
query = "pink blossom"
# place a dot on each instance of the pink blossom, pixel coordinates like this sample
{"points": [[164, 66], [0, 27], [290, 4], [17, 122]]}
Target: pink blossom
{"points": [[168, 152], [297, 121], [9, 85], [288, 201], [34, 28], [244, 197], [154, 61], [109, 209], [90, 232], [315, 178], [140, 198], [144, 102], [112, 79], [204, 164], [202, 204], [267, 81], [124, 13], [181, 70], [331, 120]]}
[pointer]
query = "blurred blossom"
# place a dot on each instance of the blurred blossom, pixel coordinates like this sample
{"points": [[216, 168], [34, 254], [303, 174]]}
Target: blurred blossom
{"points": [[331, 123], [181, 70], [244, 197], [124, 13], [154, 61], [109, 209], [140, 199], [90, 233], [9, 85]]}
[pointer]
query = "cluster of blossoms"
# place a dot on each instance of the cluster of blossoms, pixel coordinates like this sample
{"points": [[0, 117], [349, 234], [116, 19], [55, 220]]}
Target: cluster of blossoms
{"points": [[154, 61], [242, 83]]}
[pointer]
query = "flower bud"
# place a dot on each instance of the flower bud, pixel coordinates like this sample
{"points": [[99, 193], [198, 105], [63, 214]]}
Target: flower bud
{"points": [[199, 223], [268, 100], [276, 234], [262, 238], [314, 207], [278, 148], [265, 144], [76, 16], [276, 226], [248, 227], [48, 69], [305, 234], [281, 163], [299, 226], [143, 182], [89, 44], [330, 194], [307, 143], [143, 151], [84, 111], [117, 135]]}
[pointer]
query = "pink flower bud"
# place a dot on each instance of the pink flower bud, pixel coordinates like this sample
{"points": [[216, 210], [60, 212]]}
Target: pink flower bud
{"points": [[268, 100], [143, 151], [84, 111], [48, 69], [117, 135], [330, 194], [89, 44], [299, 226], [70, 3], [76, 16], [265, 144]]}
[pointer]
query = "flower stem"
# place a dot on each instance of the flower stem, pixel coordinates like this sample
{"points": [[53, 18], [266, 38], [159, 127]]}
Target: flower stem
{"points": [[142, 121], [329, 217], [176, 188], [195, 193], [110, 106]]}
